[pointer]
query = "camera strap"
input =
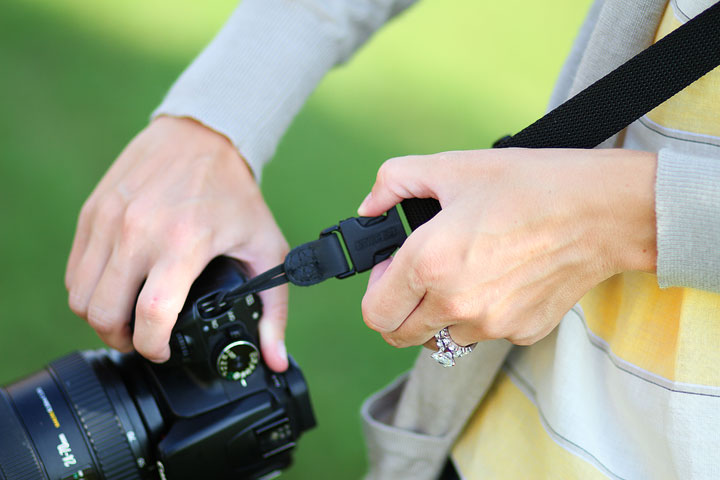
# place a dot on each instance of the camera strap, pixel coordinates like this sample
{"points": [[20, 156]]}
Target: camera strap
{"points": [[584, 121], [352, 246], [616, 100]]}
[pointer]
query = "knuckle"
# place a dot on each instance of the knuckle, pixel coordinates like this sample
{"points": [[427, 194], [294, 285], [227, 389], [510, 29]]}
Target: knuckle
{"points": [[521, 340], [459, 310], [185, 235], [110, 207], [492, 329], [149, 351], [87, 210], [134, 221], [156, 313], [393, 341], [427, 266], [383, 172], [77, 303], [283, 247], [101, 320], [421, 274], [370, 317], [387, 170]]}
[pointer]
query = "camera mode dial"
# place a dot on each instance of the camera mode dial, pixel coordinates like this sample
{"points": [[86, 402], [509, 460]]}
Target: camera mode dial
{"points": [[237, 360]]}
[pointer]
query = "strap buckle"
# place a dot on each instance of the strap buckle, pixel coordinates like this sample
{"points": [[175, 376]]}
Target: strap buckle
{"points": [[369, 240], [366, 240]]}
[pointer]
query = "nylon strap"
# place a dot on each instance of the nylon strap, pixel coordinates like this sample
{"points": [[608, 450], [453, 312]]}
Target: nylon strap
{"points": [[616, 100]]}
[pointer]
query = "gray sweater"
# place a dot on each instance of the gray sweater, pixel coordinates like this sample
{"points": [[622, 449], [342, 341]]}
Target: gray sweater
{"points": [[254, 77], [256, 74]]}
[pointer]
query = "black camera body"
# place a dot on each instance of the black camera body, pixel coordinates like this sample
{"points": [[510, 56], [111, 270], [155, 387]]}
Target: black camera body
{"points": [[214, 410], [241, 414]]}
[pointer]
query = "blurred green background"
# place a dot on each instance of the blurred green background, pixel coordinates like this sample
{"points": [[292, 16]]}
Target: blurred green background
{"points": [[78, 79]]}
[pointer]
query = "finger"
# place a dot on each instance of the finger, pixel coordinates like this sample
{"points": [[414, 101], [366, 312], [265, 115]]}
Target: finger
{"points": [[112, 302], [272, 327], [378, 271], [87, 275], [453, 330], [260, 257], [394, 292], [398, 179], [80, 242], [160, 301], [420, 326]]}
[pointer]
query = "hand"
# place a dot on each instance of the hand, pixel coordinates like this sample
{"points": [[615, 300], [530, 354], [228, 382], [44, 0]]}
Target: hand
{"points": [[176, 197], [522, 236]]}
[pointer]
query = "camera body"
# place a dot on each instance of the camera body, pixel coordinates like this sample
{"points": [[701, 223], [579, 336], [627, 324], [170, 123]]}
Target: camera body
{"points": [[230, 411], [214, 410]]}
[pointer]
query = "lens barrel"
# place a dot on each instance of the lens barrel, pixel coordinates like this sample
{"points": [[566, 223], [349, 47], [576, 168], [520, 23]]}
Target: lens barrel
{"points": [[103, 415], [73, 420], [18, 458]]}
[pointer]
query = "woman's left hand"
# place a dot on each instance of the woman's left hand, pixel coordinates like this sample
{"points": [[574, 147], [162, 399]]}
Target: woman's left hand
{"points": [[522, 236]]}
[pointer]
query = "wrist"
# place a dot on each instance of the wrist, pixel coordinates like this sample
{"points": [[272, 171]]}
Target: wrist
{"points": [[628, 185], [191, 130]]}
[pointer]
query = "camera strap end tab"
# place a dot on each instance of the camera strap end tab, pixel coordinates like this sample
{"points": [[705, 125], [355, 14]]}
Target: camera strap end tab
{"points": [[269, 279], [316, 261]]}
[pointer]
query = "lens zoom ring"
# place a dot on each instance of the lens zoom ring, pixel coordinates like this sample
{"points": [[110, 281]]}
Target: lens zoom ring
{"points": [[18, 460], [97, 416]]}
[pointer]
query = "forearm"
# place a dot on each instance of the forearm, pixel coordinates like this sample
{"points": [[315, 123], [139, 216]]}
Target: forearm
{"points": [[254, 77]]}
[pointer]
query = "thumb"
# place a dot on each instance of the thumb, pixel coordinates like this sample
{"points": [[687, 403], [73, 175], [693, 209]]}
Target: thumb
{"points": [[397, 179]]}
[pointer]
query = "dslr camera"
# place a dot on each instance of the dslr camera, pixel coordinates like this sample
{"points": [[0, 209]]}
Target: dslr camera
{"points": [[213, 411]]}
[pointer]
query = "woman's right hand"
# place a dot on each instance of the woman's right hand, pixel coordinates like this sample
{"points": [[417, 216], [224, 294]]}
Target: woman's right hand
{"points": [[176, 197]]}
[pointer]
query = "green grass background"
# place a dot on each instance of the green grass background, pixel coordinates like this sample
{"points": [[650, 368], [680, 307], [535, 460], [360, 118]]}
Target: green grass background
{"points": [[78, 80]]}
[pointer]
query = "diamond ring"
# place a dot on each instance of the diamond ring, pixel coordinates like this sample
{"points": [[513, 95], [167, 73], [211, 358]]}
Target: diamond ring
{"points": [[448, 350]]}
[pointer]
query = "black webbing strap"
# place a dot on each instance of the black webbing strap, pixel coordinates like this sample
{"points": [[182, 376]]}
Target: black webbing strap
{"points": [[616, 100]]}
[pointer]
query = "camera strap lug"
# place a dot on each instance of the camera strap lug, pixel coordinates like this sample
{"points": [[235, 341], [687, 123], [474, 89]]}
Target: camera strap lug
{"points": [[367, 241]]}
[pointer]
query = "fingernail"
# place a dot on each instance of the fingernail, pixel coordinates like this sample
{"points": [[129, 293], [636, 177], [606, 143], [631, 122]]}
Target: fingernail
{"points": [[282, 350], [361, 208]]}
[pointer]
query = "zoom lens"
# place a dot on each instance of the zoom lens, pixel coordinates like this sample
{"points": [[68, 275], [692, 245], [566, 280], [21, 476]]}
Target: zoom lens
{"points": [[215, 410], [75, 419]]}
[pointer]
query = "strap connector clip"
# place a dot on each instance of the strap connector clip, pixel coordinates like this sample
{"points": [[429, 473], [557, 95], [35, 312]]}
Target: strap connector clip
{"points": [[369, 240]]}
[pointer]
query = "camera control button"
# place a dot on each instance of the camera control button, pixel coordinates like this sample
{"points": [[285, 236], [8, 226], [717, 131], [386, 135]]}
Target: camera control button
{"points": [[275, 438], [182, 344], [237, 360]]}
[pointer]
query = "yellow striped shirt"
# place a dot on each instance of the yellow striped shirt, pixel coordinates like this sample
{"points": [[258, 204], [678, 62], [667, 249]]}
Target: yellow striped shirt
{"points": [[621, 388]]}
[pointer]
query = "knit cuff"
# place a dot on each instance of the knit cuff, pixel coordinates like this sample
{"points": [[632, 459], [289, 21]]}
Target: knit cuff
{"points": [[687, 205], [394, 452]]}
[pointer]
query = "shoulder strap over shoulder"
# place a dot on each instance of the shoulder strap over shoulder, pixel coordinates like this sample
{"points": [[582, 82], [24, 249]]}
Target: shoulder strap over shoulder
{"points": [[616, 100]]}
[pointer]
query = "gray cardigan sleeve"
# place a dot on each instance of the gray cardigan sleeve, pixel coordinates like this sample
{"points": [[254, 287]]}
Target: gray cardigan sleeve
{"points": [[687, 205], [255, 75]]}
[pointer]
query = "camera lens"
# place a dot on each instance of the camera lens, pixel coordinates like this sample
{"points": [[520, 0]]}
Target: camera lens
{"points": [[73, 420], [110, 416], [215, 410]]}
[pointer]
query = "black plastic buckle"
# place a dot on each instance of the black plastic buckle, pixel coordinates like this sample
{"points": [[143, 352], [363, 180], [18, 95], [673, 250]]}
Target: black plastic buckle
{"points": [[369, 240]]}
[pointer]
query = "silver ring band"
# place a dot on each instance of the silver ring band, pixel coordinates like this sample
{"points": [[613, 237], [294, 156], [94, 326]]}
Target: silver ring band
{"points": [[448, 350]]}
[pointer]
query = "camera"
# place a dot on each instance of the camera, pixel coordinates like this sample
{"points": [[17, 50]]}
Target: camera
{"points": [[213, 411]]}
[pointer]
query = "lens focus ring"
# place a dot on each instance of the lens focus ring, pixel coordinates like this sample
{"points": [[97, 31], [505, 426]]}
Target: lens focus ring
{"points": [[98, 417], [18, 459]]}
